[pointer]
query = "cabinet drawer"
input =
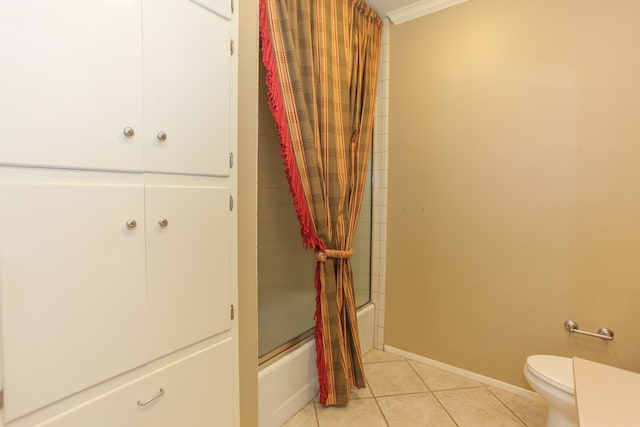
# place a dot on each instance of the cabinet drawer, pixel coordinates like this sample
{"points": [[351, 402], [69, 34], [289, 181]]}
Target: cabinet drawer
{"points": [[72, 289], [196, 392], [188, 265]]}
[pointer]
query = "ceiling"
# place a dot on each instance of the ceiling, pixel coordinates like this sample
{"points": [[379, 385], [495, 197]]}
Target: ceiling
{"points": [[399, 11], [383, 7]]}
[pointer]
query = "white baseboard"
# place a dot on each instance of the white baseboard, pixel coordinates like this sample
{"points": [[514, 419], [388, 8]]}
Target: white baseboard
{"points": [[467, 374]]}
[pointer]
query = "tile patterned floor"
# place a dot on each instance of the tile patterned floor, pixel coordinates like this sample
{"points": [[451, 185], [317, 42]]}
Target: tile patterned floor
{"points": [[404, 393]]}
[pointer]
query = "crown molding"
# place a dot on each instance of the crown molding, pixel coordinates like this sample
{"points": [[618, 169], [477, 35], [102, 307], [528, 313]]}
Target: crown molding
{"points": [[420, 8]]}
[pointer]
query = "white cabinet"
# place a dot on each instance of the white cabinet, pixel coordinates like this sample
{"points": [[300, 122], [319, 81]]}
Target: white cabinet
{"points": [[72, 289], [117, 241], [183, 397], [75, 292], [188, 269], [72, 83], [186, 88], [81, 72]]}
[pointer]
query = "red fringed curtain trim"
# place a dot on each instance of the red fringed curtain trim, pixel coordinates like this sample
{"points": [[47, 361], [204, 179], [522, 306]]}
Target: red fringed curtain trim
{"points": [[276, 105], [309, 237]]}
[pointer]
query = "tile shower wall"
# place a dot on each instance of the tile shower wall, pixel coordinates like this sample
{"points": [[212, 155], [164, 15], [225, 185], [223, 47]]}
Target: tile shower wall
{"points": [[362, 247], [380, 162]]}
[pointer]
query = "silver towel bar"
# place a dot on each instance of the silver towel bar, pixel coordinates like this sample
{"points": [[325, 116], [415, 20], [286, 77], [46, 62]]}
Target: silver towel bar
{"points": [[604, 333]]}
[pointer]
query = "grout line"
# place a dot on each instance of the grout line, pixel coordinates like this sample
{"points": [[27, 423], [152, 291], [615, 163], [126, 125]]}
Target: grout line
{"points": [[410, 393], [315, 411], [375, 399], [421, 379], [505, 405], [471, 387], [383, 361], [432, 393], [445, 409]]}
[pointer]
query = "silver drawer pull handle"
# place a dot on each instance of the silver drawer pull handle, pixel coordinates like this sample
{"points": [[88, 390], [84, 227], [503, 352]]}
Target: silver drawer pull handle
{"points": [[160, 393], [131, 224], [163, 222], [162, 136]]}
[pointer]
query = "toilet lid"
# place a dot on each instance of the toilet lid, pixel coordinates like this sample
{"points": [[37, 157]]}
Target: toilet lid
{"points": [[555, 370]]}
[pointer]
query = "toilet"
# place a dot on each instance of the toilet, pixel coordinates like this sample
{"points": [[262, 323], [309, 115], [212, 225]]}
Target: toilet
{"points": [[552, 378]]}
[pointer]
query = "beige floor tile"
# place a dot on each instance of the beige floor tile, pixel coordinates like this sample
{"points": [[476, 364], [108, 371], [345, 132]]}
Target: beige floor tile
{"points": [[361, 393], [476, 407], [374, 355], [306, 417], [388, 378], [438, 379], [358, 413], [532, 412], [356, 393], [414, 410]]}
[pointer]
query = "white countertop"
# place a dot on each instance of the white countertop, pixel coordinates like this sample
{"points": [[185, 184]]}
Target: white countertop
{"points": [[606, 396]]}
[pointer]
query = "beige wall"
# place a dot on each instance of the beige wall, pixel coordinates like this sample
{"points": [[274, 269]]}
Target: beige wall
{"points": [[514, 183], [247, 225]]}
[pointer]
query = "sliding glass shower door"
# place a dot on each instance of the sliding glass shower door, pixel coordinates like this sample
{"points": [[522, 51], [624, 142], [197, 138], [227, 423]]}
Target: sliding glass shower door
{"points": [[286, 293]]}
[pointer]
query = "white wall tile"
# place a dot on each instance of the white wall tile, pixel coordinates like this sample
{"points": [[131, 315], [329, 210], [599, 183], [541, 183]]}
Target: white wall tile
{"points": [[380, 167]]}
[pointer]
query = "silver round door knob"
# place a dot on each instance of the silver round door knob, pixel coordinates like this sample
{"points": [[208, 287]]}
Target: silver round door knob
{"points": [[128, 132], [162, 136], [131, 224], [163, 222]]}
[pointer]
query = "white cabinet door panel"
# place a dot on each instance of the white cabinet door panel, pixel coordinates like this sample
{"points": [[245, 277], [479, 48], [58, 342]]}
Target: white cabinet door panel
{"points": [[188, 265], [71, 82], [72, 289], [186, 88]]}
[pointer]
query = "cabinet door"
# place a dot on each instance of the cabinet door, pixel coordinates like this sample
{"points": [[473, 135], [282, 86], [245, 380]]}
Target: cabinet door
{"points": [[196, 391], [72, 289], [71, 82], [188, 270], [186, 88]]}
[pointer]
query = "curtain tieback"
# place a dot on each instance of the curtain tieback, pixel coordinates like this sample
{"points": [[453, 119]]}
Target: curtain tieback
{"points": [[322, 256]]}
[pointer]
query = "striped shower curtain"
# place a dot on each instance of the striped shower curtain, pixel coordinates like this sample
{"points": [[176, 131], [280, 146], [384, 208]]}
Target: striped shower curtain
{"points": [[321, 59]]}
